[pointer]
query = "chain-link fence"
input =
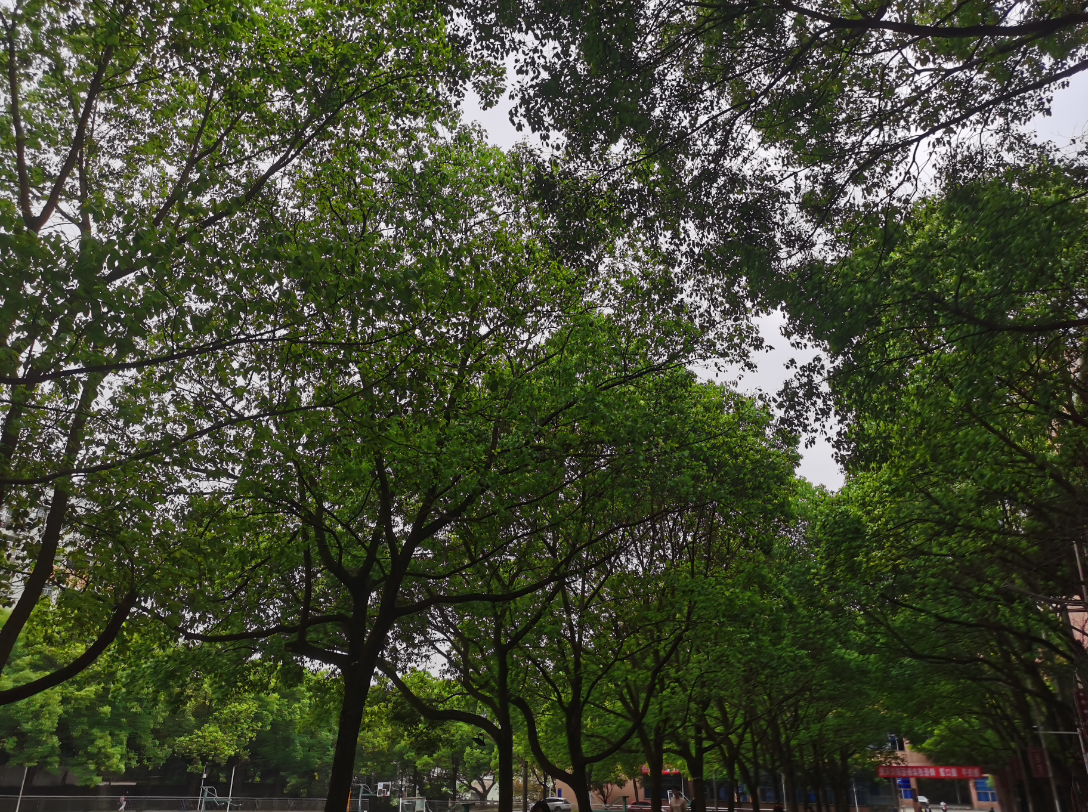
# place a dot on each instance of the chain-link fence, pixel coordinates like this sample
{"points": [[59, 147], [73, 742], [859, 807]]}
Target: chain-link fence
{"points": [[146, 803]]}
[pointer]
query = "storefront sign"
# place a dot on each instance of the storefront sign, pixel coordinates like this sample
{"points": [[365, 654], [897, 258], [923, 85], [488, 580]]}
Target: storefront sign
{"points": [[929, 772]]}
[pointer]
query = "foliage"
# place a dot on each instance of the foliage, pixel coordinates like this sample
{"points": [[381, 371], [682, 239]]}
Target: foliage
{"points": [[146, 147], [956, 343]]}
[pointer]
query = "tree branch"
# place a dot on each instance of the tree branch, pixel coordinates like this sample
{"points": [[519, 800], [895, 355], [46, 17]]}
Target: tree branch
{"points": [[80, 663]]}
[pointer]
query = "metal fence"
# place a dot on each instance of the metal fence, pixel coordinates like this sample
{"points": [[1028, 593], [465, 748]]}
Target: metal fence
{"points": [[147, 803]]}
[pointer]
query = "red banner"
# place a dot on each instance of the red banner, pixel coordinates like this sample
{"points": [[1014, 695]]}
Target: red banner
{"points": [[1037, 759], [929, 772]]}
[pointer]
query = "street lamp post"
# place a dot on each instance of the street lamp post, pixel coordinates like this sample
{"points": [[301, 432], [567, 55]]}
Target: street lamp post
{"points": [[230, 792], [22, 784]]}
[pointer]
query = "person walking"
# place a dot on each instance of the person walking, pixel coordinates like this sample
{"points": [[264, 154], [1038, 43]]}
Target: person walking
{"points": [[124, 801], [677, 802], [944, 807]]}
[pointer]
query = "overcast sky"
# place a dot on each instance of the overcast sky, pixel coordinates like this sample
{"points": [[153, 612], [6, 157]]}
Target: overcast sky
{"points": [[1069, 120]]}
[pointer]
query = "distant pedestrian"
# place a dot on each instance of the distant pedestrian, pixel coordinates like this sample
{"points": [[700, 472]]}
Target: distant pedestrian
{"points": [[944, 807], [678, 803], [124, 801]]}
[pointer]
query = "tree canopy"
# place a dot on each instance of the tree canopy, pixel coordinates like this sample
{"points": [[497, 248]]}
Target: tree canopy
{"points": [[336, 441]]}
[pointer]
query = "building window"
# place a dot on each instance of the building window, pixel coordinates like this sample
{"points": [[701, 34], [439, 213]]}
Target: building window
{"points": [[984, 788]]}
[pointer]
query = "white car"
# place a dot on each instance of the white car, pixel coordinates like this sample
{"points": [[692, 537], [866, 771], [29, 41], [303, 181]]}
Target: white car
{"points": [[558, 804]]}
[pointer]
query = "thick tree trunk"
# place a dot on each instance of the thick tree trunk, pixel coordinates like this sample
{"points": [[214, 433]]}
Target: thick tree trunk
{"points": [[732, 804], [696, 765], [364, 651], [453, 782], [843, 787], [506, 767], [698, 794], [791, 784], [776, 780], [505, 724], [356, 687], [580, 784], [655, 761], [755, 778]]}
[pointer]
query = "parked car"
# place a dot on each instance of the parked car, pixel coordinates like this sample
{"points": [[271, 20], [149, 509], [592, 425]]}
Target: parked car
{"points": [[558, 804]]}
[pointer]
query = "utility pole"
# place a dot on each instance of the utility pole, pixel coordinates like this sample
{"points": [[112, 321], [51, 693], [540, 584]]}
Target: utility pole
{"points": [[203, 775], [19, 802], [1050, 771], [230, 792]]}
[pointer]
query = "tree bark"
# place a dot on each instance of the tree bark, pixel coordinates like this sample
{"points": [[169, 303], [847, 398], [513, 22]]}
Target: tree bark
{"points": [[817, 775], [755, 779], [843, 784], [9, 436], [44, 561], [696, 765], [453, 782], [364, 652], [504, 722], [732, 802], [791, 783], [655, 760], [506, 767], [80, 663], [581, 791], [357, 680]]}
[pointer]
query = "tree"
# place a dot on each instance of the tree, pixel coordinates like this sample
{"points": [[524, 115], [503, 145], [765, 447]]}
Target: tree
{"points": [[956, 340], [812, 99], [150, 705], [101, 722], [145, 146], [458, 361], [604, 651]]}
